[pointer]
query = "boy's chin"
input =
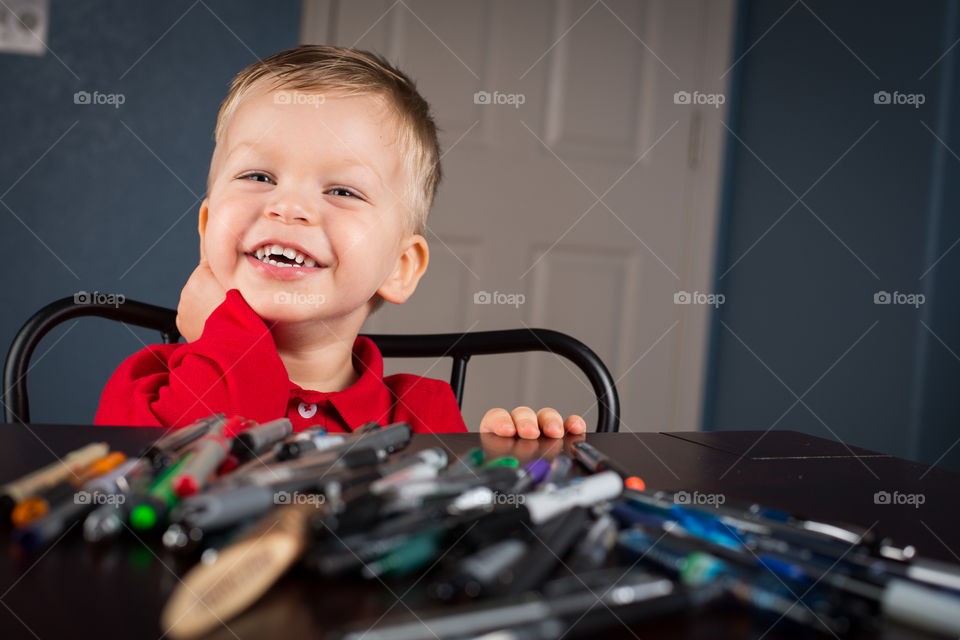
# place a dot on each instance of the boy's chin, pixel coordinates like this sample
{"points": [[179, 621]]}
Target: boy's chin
{"points": [[284, 307]]}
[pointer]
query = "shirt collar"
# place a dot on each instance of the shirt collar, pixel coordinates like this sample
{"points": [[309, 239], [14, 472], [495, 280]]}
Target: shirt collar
{"points": [[368, 399]]}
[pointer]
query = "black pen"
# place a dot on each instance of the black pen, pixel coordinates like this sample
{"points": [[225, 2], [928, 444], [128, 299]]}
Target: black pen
{"points": [[595, 461]]}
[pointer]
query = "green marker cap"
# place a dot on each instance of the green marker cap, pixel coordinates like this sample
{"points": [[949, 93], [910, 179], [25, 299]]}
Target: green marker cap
{"points": [[506, 461], [143, 517]]}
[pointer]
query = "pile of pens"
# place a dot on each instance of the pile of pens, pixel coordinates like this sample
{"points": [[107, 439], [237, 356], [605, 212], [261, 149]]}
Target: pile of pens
{"points": [[533, 551]]}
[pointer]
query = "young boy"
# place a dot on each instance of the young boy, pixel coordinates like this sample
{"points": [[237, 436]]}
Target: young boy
{"points": [[325, 167]]}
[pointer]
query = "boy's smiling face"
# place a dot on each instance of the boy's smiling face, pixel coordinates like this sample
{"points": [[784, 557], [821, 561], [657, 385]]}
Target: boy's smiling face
{"points": [[320, 176]]}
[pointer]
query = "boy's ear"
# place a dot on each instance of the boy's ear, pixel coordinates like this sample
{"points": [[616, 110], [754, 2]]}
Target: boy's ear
{"points": [[203, 225], [410, 267]]}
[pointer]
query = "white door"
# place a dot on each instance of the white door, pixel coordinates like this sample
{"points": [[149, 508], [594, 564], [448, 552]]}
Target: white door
{"points": [[579, 187]]}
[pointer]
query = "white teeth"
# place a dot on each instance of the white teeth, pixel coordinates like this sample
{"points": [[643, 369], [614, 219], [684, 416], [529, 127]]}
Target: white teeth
{"points": [[265, 252]]}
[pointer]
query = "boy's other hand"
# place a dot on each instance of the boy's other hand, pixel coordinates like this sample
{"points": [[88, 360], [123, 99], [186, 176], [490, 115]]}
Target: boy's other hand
{"points": [[523, 422], [200, 296]]}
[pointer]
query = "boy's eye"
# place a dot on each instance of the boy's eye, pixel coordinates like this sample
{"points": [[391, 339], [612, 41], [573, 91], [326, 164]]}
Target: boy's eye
{"points": [[342, 191], [256, 176]]}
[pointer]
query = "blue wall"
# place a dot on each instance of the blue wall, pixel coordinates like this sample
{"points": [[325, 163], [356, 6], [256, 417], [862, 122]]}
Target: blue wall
{"points": [[800, 309], [105, 199]]}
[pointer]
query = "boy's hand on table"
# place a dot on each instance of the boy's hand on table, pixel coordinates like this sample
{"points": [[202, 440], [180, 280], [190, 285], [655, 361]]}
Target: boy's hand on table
{"points": [[200, 296], [523, 422]]}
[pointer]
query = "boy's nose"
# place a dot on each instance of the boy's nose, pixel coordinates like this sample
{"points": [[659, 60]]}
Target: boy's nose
{"points": [[291, 211]]}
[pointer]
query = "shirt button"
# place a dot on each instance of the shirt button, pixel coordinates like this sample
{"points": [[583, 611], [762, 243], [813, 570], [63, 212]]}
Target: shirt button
{"points": [[307, 410]]}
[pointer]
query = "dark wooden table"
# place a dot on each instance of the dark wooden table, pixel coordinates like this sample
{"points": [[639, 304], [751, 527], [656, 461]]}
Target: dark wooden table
{"points": [[73, 588]]}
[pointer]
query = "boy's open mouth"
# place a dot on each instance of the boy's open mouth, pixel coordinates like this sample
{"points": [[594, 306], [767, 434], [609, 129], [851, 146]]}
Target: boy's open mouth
{"points": [[283, 256]]}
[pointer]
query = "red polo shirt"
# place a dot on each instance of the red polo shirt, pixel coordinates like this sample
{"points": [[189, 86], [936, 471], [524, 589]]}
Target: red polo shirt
{"points": [[234, 368]]}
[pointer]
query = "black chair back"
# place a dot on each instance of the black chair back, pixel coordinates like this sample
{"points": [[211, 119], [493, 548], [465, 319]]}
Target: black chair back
{"points": [[459, 346]]}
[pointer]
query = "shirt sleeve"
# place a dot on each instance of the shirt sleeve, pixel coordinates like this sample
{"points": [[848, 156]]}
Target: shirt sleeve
{"points": [[447, 415], [233, 368], [427, 404]]}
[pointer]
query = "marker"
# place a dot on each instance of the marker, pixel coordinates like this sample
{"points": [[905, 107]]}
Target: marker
{"points": [[241, 573], [300, 446], [321, 463], [476, 574], [595, 461], [752, 585], [229, 504], [260, 438], [466, 463], [415, 553], [594, 489], [531, 474], [158, 499], [207, 453], [505, 461], [105, 522], [112, 481], [36, 506], [415, 493], [387, 440], [632, 595], [32, 483], [560, 469], [596, 546], [161, 451], [270, 455], [553, 542], [51, 525], [481, 502], [424, 465]]}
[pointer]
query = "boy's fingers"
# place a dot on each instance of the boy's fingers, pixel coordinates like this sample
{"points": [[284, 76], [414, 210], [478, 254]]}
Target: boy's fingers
{"points": [[526, 421], [498, 421], [576, 425], [551, 422]]}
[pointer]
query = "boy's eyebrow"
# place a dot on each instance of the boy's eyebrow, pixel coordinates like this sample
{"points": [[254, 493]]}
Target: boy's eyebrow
{"points": [[347, 163]]}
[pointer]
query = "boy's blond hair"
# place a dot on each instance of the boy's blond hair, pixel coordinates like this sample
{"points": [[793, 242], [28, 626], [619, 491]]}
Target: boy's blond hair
{"points": [[352, 72]]}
